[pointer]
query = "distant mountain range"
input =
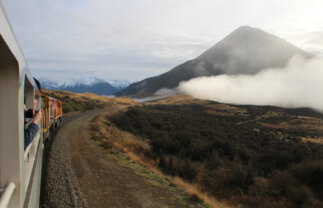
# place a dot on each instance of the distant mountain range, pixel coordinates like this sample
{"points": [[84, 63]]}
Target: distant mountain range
{"points": [[89, 84], [246, 50]]}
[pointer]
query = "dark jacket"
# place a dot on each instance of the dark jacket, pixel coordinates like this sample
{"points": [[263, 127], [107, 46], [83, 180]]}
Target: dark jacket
{"points": [[30, 133]]}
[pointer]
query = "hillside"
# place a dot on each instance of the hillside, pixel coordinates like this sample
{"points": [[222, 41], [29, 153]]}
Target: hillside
{"points": [[82, 102], [246, 50], [255, 156]]}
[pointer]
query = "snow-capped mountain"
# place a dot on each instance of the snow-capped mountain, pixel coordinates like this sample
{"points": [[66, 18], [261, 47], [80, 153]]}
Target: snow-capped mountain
{"points": [[119, 83], [88, 84]]}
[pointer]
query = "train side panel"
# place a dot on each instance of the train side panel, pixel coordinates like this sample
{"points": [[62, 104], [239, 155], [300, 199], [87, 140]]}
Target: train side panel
{"points": [[11, 147], [18, 167], [46, 123]]}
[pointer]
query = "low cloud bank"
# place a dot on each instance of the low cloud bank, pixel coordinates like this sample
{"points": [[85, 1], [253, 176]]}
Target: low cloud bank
{"points": [[160, 94], [299, 84]]}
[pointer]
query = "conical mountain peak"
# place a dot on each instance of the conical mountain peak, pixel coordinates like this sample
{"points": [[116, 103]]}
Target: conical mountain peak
{"points": [[245, 28], [248, 50]]}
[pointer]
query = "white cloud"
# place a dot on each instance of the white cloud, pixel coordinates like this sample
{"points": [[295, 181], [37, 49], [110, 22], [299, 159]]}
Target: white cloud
{"points": [[298, 85]]}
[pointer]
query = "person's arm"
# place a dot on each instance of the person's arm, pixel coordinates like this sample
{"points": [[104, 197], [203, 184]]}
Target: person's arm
{"points": [[32, 130], [30, 133]]}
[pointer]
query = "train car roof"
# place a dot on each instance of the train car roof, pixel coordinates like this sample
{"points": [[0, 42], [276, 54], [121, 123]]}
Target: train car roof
{"points": [[46, 96], [50, 98], [8, 36]]}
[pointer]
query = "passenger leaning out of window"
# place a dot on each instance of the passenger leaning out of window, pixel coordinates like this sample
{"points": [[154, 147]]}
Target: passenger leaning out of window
{"points": [[33, 127]]}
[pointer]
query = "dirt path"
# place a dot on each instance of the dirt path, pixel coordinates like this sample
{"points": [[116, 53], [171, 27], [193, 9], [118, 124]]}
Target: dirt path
{"points": [[94, 179]]}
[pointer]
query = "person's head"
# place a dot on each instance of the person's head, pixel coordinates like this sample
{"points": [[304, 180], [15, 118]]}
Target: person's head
{"points": [[35, 103]]}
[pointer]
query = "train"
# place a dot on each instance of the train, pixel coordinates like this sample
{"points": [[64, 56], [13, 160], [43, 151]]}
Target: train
{"points": [[52, 113], [21, 168]]}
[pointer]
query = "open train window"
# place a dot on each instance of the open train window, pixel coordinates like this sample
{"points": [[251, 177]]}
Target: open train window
{"points": [[28, 98], [43, 103]]}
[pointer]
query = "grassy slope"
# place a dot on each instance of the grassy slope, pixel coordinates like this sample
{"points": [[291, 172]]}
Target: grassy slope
{"points": [[258, 156], [73, 102]]}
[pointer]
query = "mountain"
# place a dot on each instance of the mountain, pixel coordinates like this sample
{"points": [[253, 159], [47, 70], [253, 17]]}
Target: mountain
{"points": [[89, 84], [246, 50]]}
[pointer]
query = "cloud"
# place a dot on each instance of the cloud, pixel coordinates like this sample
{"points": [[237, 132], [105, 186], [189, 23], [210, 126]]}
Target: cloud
{"points": [[299, 84]]}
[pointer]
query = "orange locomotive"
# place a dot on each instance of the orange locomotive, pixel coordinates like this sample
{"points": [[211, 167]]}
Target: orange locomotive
{"points": [[52, 114]]}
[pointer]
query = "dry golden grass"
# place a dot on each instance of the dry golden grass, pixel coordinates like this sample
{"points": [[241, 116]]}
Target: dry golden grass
{"points": [[271, 114], [226, 107], [219, 113], [82, 97], [173, 100], [314, 140], [194, 191], [312, 123], [214, 108]]}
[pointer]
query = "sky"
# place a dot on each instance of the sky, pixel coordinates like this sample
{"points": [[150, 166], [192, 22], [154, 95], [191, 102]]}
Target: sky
{"points": [[135, 39]]}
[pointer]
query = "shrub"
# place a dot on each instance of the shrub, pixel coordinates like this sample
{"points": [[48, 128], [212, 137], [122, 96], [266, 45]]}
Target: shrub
{"points": [[280, 183], [214, 161], [311, 173], [240, 177], [186, 170], [299, 195], [67, 107]]}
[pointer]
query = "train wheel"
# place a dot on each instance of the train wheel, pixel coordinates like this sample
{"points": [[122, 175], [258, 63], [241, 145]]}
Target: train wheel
{"points": [[51, 130], [46, 137]]}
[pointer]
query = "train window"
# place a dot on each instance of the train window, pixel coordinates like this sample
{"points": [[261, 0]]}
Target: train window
{"points": [[37, 98], [29, 98], [43, 104]]}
